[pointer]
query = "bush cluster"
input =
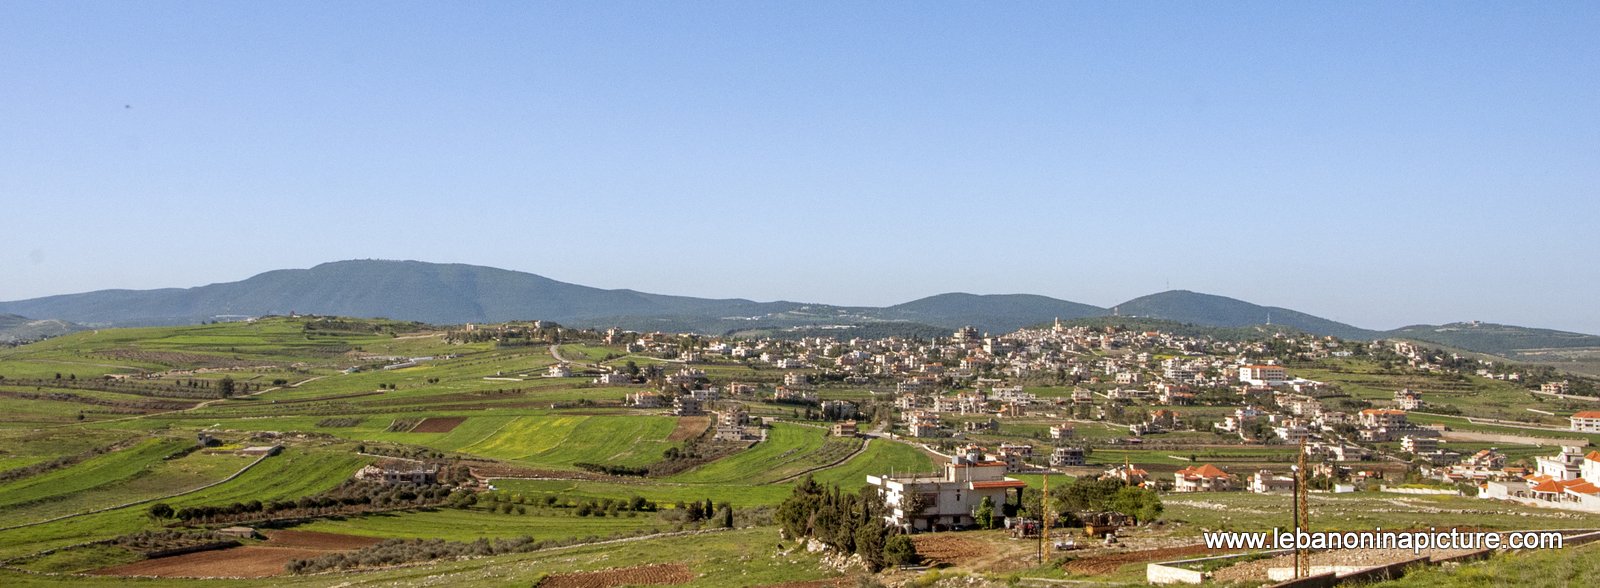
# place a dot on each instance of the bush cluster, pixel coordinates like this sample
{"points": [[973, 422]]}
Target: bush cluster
{"points": [[146, 541], [848, 523], [350, 497], [614, 470]]}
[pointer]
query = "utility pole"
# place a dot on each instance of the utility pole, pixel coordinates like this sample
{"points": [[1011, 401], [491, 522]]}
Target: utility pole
{"points": [[1294, 529], [1302, 512], [1044, 516]]}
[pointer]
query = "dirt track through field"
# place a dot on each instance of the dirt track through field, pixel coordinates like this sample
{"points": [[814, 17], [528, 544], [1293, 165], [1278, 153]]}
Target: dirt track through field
{"points": [[945, 548], [1111, 562], [239, 562], [824, 583], [650, 575]]}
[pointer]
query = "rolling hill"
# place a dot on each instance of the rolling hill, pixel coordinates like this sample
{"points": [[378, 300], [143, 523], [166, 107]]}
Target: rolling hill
{"points": [[996, 312], [1220, 311], [1503, 340], [458, 293], [409, 290], [15, 328]]}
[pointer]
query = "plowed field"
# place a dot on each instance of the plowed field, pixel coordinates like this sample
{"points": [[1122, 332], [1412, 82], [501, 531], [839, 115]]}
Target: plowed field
{"points": [[651, 575]]}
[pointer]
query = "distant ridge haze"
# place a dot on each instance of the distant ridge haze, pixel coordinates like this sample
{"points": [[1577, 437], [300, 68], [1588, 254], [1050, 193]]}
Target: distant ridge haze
{"points": [[447, 293]]}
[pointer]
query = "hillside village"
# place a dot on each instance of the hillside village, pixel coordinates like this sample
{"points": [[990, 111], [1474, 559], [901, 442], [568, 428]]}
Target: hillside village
{"points": [[1022, 399], [1139, 429]]}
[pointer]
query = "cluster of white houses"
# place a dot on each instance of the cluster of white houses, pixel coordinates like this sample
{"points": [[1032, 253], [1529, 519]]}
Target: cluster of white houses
{"points": [[966, 383], [1570, 479]]}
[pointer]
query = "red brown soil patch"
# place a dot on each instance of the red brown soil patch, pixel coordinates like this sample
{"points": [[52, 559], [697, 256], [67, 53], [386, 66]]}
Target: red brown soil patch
{"points": [[239, 562], [1111, 562], [655, 574], [438, 424], [825, 583], [318, 540], [254, 561], [950, 549], [689, 428]]}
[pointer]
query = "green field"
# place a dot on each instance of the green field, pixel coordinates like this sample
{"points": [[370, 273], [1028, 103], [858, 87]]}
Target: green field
{"points": [[748, 556], [334, 397], [107, 469], [788, 450], [154, 479], [291, 475], [468, 525], [753, 488], [562, 441], [1357, 511], [1572, 566]]}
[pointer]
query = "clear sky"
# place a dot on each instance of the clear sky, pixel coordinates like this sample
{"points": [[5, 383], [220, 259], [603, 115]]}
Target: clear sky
{"points": [[1378, 163]]}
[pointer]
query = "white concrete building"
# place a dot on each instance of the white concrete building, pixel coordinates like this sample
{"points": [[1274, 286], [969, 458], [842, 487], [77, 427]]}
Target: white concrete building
{"points": [[1263, 375], [1587, 421], [950, 498]]}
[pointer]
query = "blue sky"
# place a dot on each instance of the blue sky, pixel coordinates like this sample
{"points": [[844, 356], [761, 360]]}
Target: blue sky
{"points": [[1375, 163]]}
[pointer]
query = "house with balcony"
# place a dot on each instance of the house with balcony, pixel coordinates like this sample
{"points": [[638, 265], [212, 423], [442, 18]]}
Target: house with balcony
{"points": [[949, 498]]}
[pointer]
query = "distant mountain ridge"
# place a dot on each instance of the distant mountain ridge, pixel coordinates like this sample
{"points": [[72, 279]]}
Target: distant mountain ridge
{"points": [[1008, 311], [1221, 311], [458, 293]]}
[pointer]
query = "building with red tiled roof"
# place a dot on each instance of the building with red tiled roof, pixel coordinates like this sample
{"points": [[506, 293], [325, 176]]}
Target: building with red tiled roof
{"points": [[1205, 478], [1569, 480], [1587, 421], [1130, 474]]}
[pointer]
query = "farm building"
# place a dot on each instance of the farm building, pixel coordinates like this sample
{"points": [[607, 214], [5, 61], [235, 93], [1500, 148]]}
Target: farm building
{"points": [[262, 450], [399, 473], [238, 532]]}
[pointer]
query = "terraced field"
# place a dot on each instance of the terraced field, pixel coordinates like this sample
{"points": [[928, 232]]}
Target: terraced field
{"points": [[154, 480], [789, 449], [112, 468], [754, 486], [712, 558], [561, 441], [291, 475]]}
